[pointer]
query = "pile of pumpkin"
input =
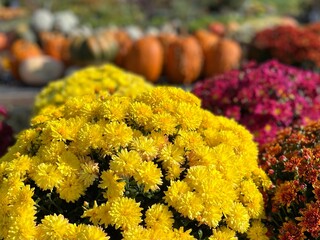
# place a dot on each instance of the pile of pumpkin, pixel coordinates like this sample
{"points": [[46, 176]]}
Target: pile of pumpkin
{"points": [[178, 58], [10, 13]]}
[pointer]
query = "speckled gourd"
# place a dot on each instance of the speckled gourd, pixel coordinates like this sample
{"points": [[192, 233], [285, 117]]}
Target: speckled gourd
{"points": [[98, 47]]}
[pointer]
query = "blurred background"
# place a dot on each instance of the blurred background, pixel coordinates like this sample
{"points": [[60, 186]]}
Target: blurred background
{"points": [[40, 27], [192, 13]]}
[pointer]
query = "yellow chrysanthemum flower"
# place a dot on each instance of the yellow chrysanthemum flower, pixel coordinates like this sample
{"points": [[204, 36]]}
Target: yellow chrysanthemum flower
{"points": [[171, 153], [62, 129], [98, 214], [68, 163], [18, 222], [21, 165], [125, 213], [148, 164], [88, 137], [163, 122], [46, 176], [180, 234], [189, 205], [159, 139], [111, 181], [145, 146], [114, 191], [126, 162], [48, 113], [257, 231], [140, 113], [88, 232], [261, 178], [211, 216], [87, 107], [223, 233], [175, 190], [238, 218], [53, 227], [154, 233], [159, 215], [228, 163], [189, 140], [49, 153], [148, 175], [91, 80], [173, 171], [70, 188], [189, 116], [252, 198], [115, 109], [89, 172], [117, 135], [202, 155]]}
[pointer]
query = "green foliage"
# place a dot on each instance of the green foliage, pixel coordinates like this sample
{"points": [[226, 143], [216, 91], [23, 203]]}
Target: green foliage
{"points": [[193, 13]]}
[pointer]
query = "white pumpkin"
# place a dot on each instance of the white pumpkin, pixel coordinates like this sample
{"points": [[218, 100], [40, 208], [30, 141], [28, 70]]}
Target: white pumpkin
{"points": [[65, 21], [153, 31], [42, 20], [38, 71], [134, 32]]}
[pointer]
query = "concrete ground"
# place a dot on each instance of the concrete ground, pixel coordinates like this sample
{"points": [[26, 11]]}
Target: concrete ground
{"points": [[18, 100]]}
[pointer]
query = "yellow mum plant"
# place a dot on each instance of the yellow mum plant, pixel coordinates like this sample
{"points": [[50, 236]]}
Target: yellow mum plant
{"points": [[116, 167], [91, 80]]}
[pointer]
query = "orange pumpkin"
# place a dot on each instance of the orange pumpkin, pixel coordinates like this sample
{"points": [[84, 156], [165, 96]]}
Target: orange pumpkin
{"points": [[208, 41], [4, 41], [225, 56], [145, 57], [184, 60], [125, 43], [166, 39], [54, 44], [21, 50]]}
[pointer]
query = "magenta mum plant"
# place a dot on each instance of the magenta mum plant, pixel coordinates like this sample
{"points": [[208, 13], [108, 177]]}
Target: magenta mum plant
{"points": [[264, 98], [6, 132]]}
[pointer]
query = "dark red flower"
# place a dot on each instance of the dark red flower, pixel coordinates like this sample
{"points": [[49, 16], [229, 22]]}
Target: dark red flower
{"points": [[285, 194], [6, 133], [288, 44], [316, 190], [294, 170], [310, 219], [290, 231]]}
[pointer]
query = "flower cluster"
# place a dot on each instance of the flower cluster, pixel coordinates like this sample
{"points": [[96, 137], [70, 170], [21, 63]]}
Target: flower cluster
{"points": [[313, 27], [264, 98], [91, 80], [288, 44], [6, 132], [133, 168], [292, 163]]}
